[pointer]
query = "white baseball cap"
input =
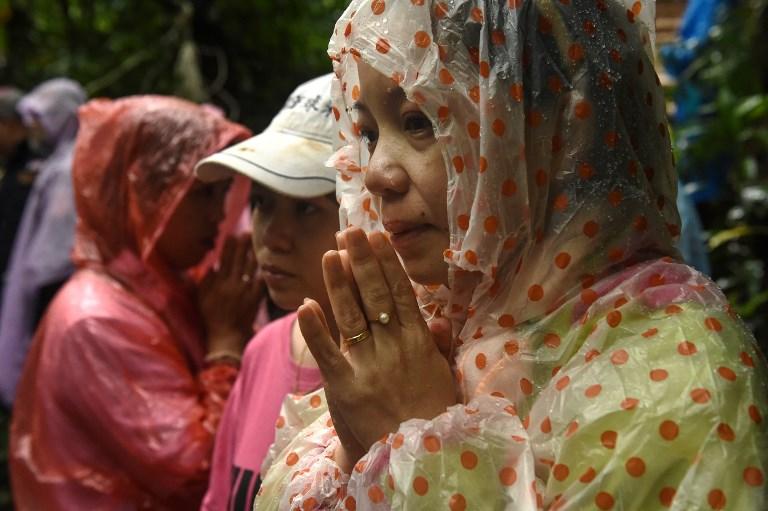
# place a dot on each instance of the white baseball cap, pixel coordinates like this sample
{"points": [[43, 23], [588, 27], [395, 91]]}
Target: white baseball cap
{"points": [[289, 156]]}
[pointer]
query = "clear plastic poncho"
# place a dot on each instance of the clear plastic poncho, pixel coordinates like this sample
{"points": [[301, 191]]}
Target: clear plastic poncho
{"points": [[115, 408], [596, 370]]}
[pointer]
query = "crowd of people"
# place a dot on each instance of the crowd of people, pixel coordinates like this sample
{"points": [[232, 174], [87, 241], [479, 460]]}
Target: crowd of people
{"points": [[447, 275]]}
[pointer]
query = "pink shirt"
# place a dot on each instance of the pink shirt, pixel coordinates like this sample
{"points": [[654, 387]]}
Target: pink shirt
{"points": [[247, 427]]}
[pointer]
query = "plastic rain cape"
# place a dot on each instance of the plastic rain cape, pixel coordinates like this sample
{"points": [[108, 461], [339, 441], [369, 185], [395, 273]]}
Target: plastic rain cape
{"points": [[596, 371], [115, 409]]}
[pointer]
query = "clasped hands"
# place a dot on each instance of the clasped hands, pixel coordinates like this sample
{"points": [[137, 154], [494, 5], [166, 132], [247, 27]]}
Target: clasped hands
{"points": [[396, 373], [229, 297]]}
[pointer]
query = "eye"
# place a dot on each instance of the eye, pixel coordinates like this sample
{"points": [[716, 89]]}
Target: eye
{"points": [[207, 192], [221, 189], [369, 138], [306, 208], [257, 201], [417, 124]]}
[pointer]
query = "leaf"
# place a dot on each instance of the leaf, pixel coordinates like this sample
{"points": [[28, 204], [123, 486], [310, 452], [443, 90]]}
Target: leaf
{"points": [[751, 306], [752, 107], [735, 233]]}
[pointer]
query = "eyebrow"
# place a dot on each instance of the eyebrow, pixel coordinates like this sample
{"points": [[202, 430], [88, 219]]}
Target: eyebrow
{"points": [[394, 93]]}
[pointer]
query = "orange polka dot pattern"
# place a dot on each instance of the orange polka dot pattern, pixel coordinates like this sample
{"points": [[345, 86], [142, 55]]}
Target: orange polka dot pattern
{"points": [[685, 379], [549, 165], [579, 359], [298, 412]]}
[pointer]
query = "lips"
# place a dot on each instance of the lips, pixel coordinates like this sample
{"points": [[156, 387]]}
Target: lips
{"points": [[274, 276], [404, 234], [274, 270], [402, 227]]}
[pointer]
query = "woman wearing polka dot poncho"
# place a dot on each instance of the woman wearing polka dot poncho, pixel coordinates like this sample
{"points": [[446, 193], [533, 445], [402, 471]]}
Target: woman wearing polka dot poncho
{"points": [[588, 368]]}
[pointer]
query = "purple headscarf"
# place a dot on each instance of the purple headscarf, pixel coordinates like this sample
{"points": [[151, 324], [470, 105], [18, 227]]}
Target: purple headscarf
{"points": [[54, 105], [41, 250]]}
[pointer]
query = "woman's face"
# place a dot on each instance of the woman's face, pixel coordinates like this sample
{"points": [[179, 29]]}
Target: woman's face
{"points": [[38, 137], [12, 132], [289, 238], [193, 228], [406, 171]]}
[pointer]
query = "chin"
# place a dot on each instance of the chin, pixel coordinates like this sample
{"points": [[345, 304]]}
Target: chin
{"points": [[285, 299], [427, 274]]}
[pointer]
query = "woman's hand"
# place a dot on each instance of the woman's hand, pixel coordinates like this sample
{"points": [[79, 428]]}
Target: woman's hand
{"points": [[229, 296], [395, 374]]}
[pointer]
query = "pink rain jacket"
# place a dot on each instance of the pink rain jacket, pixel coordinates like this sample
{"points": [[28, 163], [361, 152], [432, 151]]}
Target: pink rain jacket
{"points": [[596, 371], [115, 409]]}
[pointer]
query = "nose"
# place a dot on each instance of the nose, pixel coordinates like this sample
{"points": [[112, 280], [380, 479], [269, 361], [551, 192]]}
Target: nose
{"points": [[278, 233], [386, 176]]}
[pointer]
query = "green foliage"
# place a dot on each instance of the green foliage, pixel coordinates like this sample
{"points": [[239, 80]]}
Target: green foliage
{"points": [[732, 127], [242, 55]]}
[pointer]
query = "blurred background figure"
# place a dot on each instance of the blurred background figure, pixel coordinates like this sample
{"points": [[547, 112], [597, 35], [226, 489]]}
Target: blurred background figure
{"points": [[40, 259], [15, 179], [692, 242], [134, 360]]}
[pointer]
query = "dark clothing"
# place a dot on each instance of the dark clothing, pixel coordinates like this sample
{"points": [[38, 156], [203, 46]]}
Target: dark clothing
{"points": [[15, 186]]}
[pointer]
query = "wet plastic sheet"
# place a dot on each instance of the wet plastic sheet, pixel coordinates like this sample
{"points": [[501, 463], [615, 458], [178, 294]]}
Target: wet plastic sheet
{"points": [[597, 372], [115, 409]]}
